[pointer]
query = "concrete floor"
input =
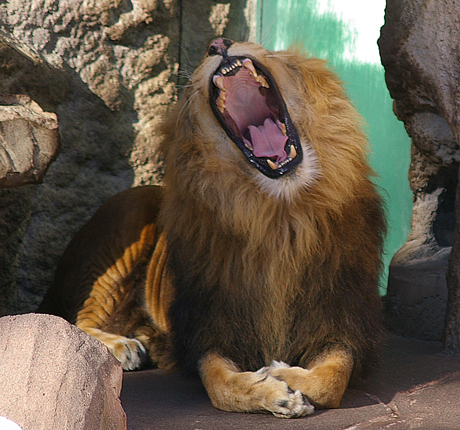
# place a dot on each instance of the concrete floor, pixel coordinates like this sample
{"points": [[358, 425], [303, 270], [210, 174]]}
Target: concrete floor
{"points": [[418, 387]]}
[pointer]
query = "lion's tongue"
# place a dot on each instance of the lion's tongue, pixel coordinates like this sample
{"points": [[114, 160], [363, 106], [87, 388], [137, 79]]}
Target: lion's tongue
{"points": [[250, 112], [268, 141]]}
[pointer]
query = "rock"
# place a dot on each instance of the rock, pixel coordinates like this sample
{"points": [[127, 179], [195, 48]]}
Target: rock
{"points": [[109, 69], [417, 297], [55, 376], [29, 141], [28, 144], [419, 50], [25, 72]]}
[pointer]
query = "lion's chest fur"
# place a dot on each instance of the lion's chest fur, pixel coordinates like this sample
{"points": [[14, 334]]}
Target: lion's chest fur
{"points": [[237, 292], [246, 323]]}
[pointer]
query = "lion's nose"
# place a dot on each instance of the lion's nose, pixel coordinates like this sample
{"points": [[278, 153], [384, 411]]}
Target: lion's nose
{"points": [[219, 46]]}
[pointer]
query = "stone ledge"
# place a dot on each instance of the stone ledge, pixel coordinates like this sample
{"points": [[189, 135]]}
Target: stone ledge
{"points": [[417, 297]]}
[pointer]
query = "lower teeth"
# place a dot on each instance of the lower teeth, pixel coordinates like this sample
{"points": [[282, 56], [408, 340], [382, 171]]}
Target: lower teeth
{"points": [[275, 166]]}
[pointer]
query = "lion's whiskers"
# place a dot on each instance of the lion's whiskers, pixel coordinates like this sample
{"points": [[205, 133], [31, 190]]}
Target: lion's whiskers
{"points": [[183, 73], [187, 103]]}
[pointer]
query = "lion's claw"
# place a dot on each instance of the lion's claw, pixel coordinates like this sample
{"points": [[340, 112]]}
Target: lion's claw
{"points": [[294, 406], [129, 352]]}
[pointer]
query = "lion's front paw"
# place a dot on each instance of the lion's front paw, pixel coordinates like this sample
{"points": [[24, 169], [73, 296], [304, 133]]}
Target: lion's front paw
{"points": [[323, 384], [129, 352], [293, 376], [284, 402], [278, 365]]}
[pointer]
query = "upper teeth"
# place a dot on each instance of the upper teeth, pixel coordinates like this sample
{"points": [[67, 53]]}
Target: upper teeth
{"points": [[219, 82], [218, 79], [248, 64], [283, 129], [262, 81], [235, 64]]}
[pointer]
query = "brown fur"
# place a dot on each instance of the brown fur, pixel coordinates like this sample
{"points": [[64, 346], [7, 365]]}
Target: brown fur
{"points": [[254, 269]]}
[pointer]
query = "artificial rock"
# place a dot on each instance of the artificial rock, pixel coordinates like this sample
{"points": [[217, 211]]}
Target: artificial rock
{"points": [[109, 70], [419, 50], [55, 377]]}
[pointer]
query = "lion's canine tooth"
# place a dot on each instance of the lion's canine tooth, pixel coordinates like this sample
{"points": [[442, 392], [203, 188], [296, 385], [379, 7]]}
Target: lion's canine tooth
{"points": [[248, 64], [219, 82], [272, 165], [293, 152]]}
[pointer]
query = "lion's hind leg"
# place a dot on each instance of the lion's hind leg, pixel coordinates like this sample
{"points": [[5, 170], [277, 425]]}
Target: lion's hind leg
{"points": [[100, 282], [130, 352], [116, 311], [126, 328], [232, 390], [110, 315], [112, 312]]}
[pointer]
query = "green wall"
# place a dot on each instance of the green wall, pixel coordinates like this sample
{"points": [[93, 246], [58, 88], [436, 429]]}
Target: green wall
{"points": [[345, 33]]}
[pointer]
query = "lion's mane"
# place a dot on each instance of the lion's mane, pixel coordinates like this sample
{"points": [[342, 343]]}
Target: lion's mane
{"points": [[272, 268]]}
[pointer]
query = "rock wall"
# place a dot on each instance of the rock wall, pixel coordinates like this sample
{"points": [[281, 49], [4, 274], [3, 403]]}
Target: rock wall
{"points": [[419, 50], [118, 65]]}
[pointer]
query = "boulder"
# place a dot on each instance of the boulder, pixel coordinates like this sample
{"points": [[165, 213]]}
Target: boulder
{"points": [[54, 376], [419, 50]]}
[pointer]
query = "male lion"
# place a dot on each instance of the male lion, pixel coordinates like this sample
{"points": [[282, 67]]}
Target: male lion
{"points": [[261, 252]]}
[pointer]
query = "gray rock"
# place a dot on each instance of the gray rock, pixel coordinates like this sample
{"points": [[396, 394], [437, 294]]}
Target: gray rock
{"points": [[417, 297], [419, 50], [54, 376], [109, 69]]}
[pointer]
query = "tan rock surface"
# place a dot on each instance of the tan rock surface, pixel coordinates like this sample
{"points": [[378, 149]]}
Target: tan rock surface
{"points": [[55, 377], [29, 141]]}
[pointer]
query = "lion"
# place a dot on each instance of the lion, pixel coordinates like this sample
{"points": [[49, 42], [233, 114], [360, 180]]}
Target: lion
{"points": [[256, 264]]}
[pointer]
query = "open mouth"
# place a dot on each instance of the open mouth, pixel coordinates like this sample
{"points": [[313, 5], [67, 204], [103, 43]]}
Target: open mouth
{"points": [[246, 101]]}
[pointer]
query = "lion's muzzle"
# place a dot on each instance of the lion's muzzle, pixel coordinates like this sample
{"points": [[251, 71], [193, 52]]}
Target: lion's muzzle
{"points": [[246, 100]]}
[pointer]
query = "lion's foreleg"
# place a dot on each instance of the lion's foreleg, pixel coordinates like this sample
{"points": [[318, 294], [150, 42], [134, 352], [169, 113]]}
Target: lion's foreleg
{"points": [[324, 383], [232, 390]]}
